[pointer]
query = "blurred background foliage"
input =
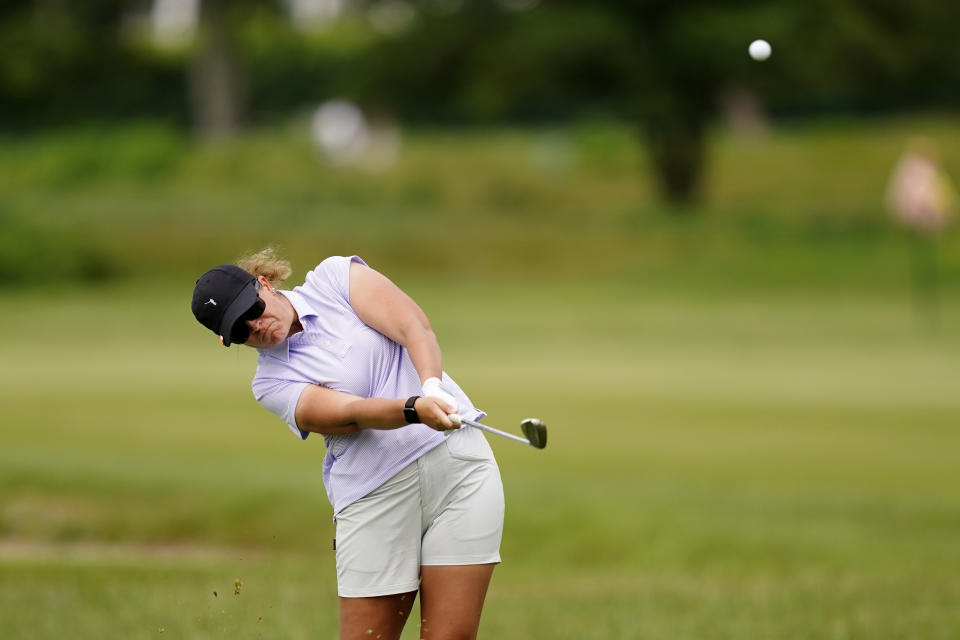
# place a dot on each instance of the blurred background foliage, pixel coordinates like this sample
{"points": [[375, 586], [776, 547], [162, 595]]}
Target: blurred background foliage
{"points": [[470, 61], [561, 120]]}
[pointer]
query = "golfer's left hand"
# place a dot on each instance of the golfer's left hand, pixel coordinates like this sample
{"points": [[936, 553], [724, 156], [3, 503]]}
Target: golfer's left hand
{"points": [[433, 413]]}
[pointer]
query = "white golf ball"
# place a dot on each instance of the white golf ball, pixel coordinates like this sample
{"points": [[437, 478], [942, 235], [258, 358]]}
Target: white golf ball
{"points": [[760, 50]]}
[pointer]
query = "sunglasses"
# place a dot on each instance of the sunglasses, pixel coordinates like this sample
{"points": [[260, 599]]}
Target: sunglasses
{"points": [[240, 331]]}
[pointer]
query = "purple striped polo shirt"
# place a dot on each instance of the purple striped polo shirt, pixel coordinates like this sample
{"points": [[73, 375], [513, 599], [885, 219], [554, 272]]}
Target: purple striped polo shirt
{"points": [[337, 350]]}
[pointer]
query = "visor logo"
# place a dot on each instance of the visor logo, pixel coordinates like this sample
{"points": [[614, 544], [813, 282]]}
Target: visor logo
{"points": [[210, 301]]}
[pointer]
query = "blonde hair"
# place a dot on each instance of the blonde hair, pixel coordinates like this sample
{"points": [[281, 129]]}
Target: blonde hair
{"points": [[267, 263]]}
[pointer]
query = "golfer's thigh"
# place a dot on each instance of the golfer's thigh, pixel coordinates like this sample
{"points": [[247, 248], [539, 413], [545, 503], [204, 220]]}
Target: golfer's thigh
{"points": [[379, 617], [451, 599]]}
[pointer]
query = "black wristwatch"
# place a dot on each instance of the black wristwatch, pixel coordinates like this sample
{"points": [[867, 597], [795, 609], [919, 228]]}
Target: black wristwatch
{"points": [[409, 413]]}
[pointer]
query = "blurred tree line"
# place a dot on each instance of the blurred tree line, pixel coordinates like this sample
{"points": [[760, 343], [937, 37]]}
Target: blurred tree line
{"points": [[661, 64]]}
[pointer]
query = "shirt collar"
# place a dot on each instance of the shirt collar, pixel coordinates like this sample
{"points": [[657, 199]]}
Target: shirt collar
{"points": [[282, 350], [300, 305]]}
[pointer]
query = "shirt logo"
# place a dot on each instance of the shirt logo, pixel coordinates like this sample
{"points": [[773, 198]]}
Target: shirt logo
{"points": [[210, 301]]}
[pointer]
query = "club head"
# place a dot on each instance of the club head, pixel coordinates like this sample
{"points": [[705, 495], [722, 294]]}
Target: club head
{"points": [[535, 431]]}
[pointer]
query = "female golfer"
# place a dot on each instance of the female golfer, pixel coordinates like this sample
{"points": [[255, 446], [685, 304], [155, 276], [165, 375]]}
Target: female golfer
{"points": [[418, 503]]}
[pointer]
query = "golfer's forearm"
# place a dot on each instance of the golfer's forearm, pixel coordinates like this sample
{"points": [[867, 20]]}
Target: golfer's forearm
{"points": [[376, 413], [353, 416], [424, 351]]}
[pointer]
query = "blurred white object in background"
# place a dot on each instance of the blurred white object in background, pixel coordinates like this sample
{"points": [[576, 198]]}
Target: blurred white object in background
{"points": [[342, 133], [919, 193], [174, 22], [391, 17], [309, 15], [760, 49]]}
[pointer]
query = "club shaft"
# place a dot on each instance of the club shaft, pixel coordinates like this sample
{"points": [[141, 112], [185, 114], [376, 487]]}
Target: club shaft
{"points": [[503, 434]]}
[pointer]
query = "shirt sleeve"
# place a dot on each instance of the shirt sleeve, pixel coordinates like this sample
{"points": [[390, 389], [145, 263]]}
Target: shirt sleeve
{"points": [[333, 276], [280, 397]]}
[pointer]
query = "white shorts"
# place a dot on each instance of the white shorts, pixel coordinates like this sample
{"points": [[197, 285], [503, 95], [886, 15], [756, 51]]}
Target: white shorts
{"points": [[444, 509]]}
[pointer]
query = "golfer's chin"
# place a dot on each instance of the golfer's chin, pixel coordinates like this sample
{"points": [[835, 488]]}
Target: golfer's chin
{"points": [[267, 339], [267, 342]]}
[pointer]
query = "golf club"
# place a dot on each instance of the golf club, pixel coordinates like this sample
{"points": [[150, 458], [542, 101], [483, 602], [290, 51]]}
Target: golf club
{"points": [[534, 429]]}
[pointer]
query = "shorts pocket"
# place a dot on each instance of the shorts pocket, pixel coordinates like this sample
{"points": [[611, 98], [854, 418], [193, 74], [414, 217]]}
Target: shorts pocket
{"points": [[468, 443]]}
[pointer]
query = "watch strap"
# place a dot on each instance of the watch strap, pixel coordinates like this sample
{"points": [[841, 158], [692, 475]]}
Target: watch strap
{"points": [[409, 413]]}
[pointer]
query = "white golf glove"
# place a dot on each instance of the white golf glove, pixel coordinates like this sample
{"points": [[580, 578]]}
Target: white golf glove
{"points": [[432, 387]]}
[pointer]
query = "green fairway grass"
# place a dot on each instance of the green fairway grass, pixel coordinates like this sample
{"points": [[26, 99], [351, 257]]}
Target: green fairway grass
{"points": [[735, 465]]}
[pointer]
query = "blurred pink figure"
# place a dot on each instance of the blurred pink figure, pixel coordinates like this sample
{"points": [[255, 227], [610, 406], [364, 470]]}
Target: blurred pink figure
{"points": [[919, 194]]}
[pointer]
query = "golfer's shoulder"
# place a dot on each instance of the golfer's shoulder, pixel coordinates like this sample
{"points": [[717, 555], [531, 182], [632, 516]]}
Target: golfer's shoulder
{"points": [[332, 274]]}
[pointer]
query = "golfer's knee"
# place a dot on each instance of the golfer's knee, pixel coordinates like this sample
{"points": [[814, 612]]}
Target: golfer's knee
{"points": [[447, 630]]}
